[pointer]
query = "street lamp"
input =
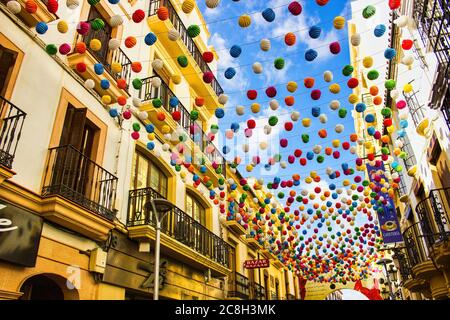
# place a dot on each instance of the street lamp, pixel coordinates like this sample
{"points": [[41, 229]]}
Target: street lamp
{"points": [[385, 262], [393, 273], [160, 208], [385, 294]]}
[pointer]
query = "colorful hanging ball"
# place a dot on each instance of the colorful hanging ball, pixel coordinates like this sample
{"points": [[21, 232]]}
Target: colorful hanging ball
{"points": [[81, 67], [310, 55], [64, 48], [52, 6], [162, 13], [268, 15], [348, 70], [30, 6], [62, 26], [138, 15], [316, 94], [220, 113], [83, 27], [265, 44], [41, 27], [130, 42], [193, 31], [208, 77], [390, 53], [188, 6], [314, 32], [339, 22], [355, 39], [390, 84], [208, 56], [80, 47], [295, 8], [244, 21], [309, 82], [235, 51], [353, 83], [407, 44], [394, 4], [290, 39], [335, 47], [279, 63], [136, 67], [230, 73], [379, 30], [369, 11], [150, 39], [182, 61], [97, 24]]}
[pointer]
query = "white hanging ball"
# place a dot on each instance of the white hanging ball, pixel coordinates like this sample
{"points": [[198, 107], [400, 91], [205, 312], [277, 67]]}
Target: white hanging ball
{"points": [[223, 99], [113, 44], [263, 145], [89, 83], [267, 129], [329, 171], [257, 68], [355, 39], [395, 94], [328, 76], [339, 128], [240, 110], [295, 116], [339, 191], [212, 3], [157, 64], [156, 82], [402, 21], [245, 147], [395, 175], [349, 192], [304, 192], [403, 115], [352, 149], [398, 143], [317, 149], [274, 104], [116, 20], [230, 181], [408, 60], [255, 200], [168, 136], [143, 115], [283, 164], [72, 4], [14, 6], [173, 35], [335, 104], [265, 44], [323, 118]]}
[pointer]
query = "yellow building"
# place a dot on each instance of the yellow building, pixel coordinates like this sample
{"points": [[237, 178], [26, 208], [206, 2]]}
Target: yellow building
{"points": [[75, 179]]}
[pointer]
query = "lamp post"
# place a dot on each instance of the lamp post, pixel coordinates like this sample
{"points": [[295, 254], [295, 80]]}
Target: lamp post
{"points": [[385, 262], [160, 208]]}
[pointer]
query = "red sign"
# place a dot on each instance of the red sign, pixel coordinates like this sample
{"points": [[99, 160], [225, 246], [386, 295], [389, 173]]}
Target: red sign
{"points": [[253, 264]]}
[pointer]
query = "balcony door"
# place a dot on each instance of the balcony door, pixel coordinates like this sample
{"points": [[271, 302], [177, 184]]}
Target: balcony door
{"points": [[7, 61], [104, 35]]}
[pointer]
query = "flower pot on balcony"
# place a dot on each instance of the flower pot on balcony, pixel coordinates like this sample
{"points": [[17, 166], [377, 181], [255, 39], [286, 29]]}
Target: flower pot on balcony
{"points": [[423, 128], [412, 171]]}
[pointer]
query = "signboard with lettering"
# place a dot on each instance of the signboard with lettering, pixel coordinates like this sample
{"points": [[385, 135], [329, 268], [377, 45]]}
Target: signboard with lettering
{"points": [[20, 234], [389, 224], [255, 264]]}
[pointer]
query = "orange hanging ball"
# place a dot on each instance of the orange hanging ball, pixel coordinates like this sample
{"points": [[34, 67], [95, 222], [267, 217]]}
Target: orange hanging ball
{"points": [[353, 137], [290, 39], [121, 83], [199, 101], [136, 66], [309, 82], [374, 90], [130, 42], [80, 47], [122, 100], [377, 100], [161, 116], [163, 13], [289, 100]]}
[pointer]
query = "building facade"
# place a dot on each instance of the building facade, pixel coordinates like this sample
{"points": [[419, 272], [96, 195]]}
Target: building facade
{"points": [[418, 139], [87, 140]]}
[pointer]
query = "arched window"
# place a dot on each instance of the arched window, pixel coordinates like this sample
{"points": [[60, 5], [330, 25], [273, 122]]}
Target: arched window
{"points": [[145, 173], [195, 209]]}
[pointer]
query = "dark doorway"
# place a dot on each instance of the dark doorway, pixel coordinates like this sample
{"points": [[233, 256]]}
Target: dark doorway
{"points": [[41, 287], [7, 61]]}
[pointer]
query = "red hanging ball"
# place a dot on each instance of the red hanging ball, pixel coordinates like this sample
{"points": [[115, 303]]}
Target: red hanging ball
{"points": [[271, 92], [208, 56], [295, 8], [316, 94], [52, 6], [335, 48], [288, 126], [251, 124], [176, 115], [322, 2], [138, 15], [407, 44], [352, 83], [394, 4], [252, 94], [208, 77]]}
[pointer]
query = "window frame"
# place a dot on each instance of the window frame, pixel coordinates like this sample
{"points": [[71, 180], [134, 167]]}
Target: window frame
{"points": [[195, 203], [150, 169]]}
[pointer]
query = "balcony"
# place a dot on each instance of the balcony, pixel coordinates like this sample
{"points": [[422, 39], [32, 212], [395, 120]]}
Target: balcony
{"points": [[148, 92], [273, 295], [106, 57], [89, 191], [31, 19], [432, 19], [446, 108], [185, 45], [257, 291], [200, 247], [408, 279], [238, 287], [253, 243], [12, 119]]}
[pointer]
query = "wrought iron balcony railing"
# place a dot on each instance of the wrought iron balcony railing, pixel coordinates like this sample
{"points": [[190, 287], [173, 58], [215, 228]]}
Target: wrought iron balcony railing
{"points": [[190, 44], [404, 264], [74, 176], [178, 225], [238, 286], [107, 57], [446, 108], [257, 291], [149, 92], [416, 109], [11, 123], [416, 244], [410, 160]]}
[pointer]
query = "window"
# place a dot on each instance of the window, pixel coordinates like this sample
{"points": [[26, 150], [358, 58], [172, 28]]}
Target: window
{"points": [[7, 62], [146, 174], [104, 35], [195, 209]]}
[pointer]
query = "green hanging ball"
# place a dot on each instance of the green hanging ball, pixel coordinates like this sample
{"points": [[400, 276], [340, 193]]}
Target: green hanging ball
{"points": [[273, 120], [385, 150], [277, 157], [93, 2], [365, 183], [399, 168], [279, 63], [137, 84], [369, 11], [305, 138], [193, 30], [373, 75], [386, 112], [157, 103], [177, 168], [320, 159], [219, 170], [342, 113], [183, 61], [136, 126], [194, 115], [97, 24], [390, 84], [403, 155], [348, 70], [51, 49]]}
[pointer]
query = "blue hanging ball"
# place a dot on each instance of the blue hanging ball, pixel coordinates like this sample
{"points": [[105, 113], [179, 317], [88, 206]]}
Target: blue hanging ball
{"points": [[98, 68], [310, 155], [104, 83], [370, 118], [314, 32], [310, 55], [268, 14], [360, 107], [150, 145], [41, 27], [230, 73], [225, 149], [315, 111], [390, 53], [404, 124], [113, 112], [173, 102], [220, 113], [371, 131], [113, 1], [267, 167], [332, 186], [235, 51], [150, 128], [401, 133], [379, 30], [150, 38], [235, 126]]}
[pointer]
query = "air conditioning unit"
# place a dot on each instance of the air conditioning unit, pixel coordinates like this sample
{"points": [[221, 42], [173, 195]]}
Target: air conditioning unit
{"points": [[97, 260]]}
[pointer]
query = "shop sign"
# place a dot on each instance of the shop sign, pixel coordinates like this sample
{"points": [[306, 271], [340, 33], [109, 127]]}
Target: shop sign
{"points": [[256, 264], [20, 234]]}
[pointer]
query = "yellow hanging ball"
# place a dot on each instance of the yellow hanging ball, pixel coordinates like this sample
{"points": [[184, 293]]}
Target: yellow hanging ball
{"points": [[313, 174], [390, 129], [183, 174], [116, 67], [336, 143], [151, 136], [408, 88], [353, 98], [165, 129], [308, 179], [346, 182], [176, 78], [335, 88], [106, 99], [255, 107], [323, 198], [245, 21], [368, 144], [306, 122], [384, 190], [249, 168], [368, 62], [188, 6], [353, 187], [339, 22], [312, 196], [292, 86], [95, 44], [301, 207], [62, 26]]}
